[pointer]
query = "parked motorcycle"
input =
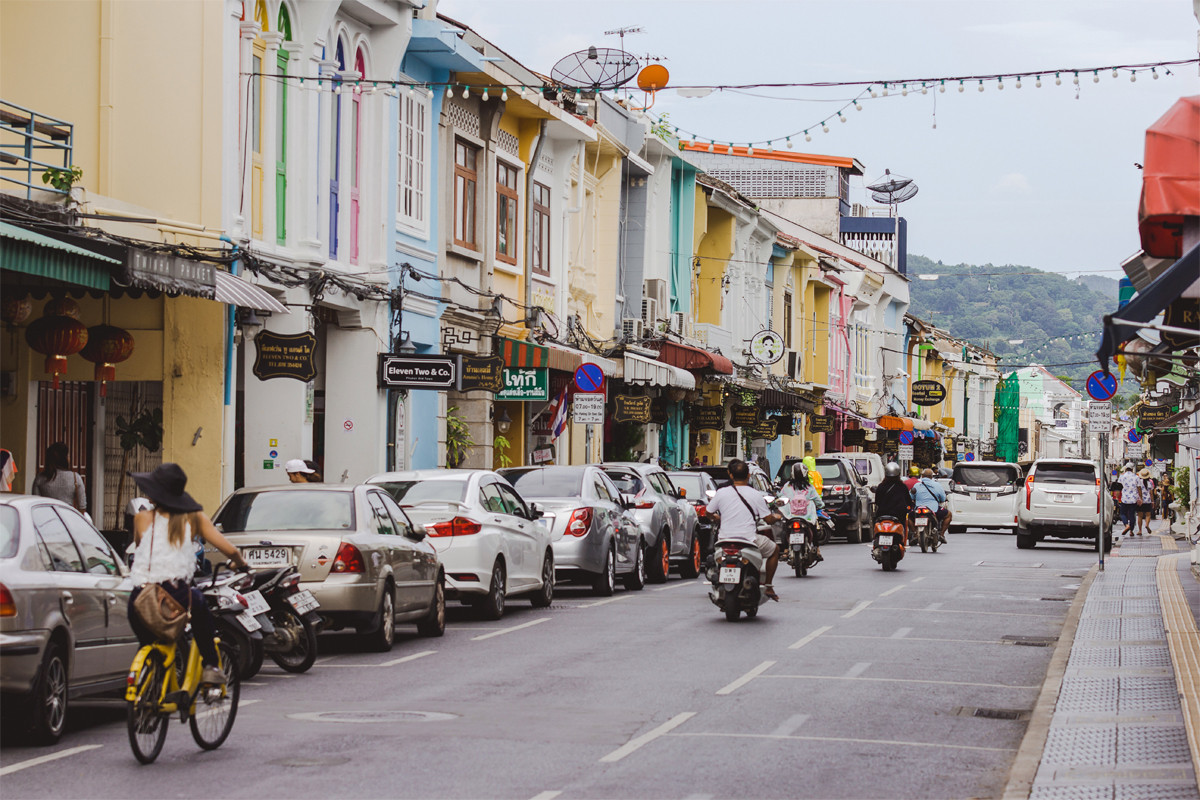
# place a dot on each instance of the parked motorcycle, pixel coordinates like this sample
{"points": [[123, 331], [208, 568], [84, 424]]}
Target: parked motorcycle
{"points": [[734, 574], [237, 617], [292, 642], [925, 529], [887, 543]]}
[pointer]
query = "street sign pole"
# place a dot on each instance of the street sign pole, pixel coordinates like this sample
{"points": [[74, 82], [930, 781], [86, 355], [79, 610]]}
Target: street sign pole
{"points": [[1100, 535]]}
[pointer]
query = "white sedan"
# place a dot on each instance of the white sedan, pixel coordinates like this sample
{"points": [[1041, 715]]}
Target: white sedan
{"points": [[490, 542]]}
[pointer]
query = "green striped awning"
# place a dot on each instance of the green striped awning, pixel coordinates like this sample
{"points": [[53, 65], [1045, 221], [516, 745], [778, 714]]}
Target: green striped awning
{"points": [[517, 353], [22, 250]]}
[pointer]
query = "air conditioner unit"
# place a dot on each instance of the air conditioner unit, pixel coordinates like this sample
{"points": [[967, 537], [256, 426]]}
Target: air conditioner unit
{"points": [[656, 289], [632, 329], [858, 210], [678, 319], [650, 313], [795, 369], [705, 437]]}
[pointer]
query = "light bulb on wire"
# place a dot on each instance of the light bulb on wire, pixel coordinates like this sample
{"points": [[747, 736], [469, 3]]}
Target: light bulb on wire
{"points": [[449, 90], [504, 94], [1038, 83], [924, 89], [484, 96], [824, 127], [1057, 79], [960, 86], [466, 92], [981, 86], [1095, 76], [807, 136]]}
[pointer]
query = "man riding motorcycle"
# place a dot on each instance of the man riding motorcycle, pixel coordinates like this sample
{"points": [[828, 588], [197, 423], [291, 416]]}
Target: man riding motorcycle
{"points": [[929, 493], [737, 509], [891, 496]]}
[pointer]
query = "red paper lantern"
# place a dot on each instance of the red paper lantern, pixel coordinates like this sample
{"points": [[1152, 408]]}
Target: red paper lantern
{"points": [[56, 338], [61, 307], [16, 310], [107, 346]]}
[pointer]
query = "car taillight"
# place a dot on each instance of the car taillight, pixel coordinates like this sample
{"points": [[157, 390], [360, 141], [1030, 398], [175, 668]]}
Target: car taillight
{"points": [[348, 559], [580, 522], [8, 608], [701, 510], [840, 489], [459, 526], [647, 503], [1028, 492]]}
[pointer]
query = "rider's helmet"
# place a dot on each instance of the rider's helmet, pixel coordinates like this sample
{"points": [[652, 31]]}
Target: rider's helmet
{"points": [[892, 470], [799, 473], [914, 471]]}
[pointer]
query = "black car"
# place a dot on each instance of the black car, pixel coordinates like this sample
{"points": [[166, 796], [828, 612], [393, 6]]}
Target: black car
{"points": [[846, 498]]}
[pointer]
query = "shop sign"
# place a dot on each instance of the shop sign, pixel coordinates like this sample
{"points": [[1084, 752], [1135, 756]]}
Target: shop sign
{"points": [[876, 446], [631, 409], [280, 355], [948, 422], [785, 423], [767, 429], [928, 393], [588, 409], [766, 347], [820, 423], [1183, 313], [525, 383], [853, 437], [426, 371], [482, 373], [658, 410], [712, 417], [543, 454], [1149, 416], [170, 273], [743, 416]]}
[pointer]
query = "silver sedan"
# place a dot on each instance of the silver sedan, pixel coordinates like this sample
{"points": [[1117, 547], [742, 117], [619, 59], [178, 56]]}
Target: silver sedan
{"points": [[660, 506]]}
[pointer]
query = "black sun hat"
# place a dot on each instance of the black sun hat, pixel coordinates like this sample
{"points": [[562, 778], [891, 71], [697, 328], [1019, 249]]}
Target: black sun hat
{"points": [[165, 486]]}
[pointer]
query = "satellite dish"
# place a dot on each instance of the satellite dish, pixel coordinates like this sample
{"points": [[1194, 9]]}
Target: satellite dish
{"points": [[892, 189], [597, 68], [653, 78]]}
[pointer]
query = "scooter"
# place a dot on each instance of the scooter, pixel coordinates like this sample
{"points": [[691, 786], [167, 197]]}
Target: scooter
{"points": [[925, 529], [235, 619], [734, 574], [292, 643], [887, 542]]}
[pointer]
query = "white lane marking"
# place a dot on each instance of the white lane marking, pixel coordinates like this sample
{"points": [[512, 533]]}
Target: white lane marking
{"points": [[901, 633], [857, 669], [918, 580], [789, 725], [955, 590], [933, 606], [603, 602], [645, 738], [861, 605], [895, 637], [546, 795], [854, 741], [969, 611], [413, 657], [810, 637], [503, 631], [699, 797], [676, 585], [901, 680], [892, 590], [277, 675], [749, 676], [211, 711], [33, 762]]}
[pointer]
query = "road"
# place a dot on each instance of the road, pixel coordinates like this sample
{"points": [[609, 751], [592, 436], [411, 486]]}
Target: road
{"points": [[859, 684]]}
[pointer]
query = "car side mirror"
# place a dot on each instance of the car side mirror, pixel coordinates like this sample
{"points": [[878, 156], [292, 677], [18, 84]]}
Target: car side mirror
{"points": [[681, 493], [535, 511], [416, 533], [627, 501], [862, 480]]}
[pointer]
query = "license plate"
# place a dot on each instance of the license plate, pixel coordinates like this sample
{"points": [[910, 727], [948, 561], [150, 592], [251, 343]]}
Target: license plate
{"points": [[730, 575], [303, 602], [248, 621], [796, 538], [258, 605], [266, 556], [885, 540], [1064, 498], [982, 496]]}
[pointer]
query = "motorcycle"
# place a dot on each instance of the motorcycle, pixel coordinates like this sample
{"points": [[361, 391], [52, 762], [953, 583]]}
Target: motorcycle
{"points": [[887, 542], [925, 529], [292, 615], [825, 528], [734, 575], [237, 617], [802, 545]]}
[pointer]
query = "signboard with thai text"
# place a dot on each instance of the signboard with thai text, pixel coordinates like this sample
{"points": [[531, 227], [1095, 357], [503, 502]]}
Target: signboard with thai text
{"points": [[820, 423], [712, 417], [631, 409], [587, 409], [525, 384], [279, 355], [482, 373], [743, 416]]}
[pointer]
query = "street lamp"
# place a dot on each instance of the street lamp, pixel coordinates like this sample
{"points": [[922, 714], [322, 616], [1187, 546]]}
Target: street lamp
{"points": [[502, 420], [406, 346]]}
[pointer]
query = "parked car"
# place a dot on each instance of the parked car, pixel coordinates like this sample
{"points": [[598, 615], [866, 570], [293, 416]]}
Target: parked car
{"points": [[700, 487], [660, 506], [720, 475], [984, 494], [595, 537], [64, 629], [492, 545], [365, 561], [869, 465], [846, 498], [1065, 498]]}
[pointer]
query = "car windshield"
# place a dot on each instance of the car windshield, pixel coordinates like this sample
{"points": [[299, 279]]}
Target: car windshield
{"points": [[548, 482], [411, 493], [287, 511], [692, 484], [8, 531], [830, 471], [1082, 474], [626, 482], [984, 476]]}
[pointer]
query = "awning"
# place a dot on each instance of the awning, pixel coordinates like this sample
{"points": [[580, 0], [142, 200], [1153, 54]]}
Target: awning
{"points": [[692, 358], [648, 372], [519, 353], [35, 254], [921, 424], [239, 292], [1170, 178], [568, 359], [863, 422], [891, 423], [787, 401]]}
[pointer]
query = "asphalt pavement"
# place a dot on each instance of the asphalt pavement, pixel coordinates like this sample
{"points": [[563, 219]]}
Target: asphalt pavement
{"points": [[917, 683]]}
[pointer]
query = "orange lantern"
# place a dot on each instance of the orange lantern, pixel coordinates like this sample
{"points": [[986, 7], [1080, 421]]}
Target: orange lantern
{"points": [[107, 346], [16, 310], [56, 338]]}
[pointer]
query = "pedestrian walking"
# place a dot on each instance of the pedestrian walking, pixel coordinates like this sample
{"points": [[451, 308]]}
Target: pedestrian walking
{"points": [[1145, 500], [56, 478], [1130, 496], [298, 471]]}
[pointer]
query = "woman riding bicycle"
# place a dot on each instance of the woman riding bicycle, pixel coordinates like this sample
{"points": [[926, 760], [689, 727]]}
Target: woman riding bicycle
{"points": [[164, 540]]}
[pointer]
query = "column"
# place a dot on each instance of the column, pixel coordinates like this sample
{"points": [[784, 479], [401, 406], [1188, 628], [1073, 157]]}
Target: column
{"points": [[298, 132], [248, 30], [270, 133]]}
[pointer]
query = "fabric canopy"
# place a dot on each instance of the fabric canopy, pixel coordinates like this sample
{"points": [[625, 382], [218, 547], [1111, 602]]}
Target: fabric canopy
{"points": [[238, 292], [891, 423], [34, 254], [647, 371], [692, 358], [1170, 178]]}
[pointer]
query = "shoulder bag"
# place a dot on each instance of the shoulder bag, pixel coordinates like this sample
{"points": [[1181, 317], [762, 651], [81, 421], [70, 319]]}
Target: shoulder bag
{"points": [[751, 510], [163, 615]]}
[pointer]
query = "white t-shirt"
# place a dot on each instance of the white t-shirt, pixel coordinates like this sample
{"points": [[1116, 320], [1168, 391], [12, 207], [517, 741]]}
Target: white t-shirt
{"points": [[737, 523]]}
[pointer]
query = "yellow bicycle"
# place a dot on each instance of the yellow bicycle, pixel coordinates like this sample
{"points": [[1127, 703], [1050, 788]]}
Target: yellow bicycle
{"points": [[159, 685]]}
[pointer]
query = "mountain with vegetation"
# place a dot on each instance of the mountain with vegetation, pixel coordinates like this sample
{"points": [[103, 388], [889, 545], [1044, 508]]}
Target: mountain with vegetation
{"points": [[1024, 315], [1100, 284]]}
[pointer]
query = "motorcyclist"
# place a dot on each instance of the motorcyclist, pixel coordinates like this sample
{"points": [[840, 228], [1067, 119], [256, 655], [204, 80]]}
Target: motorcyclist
{"points": [[800, 487], [814, 477], [891, 496], [929, 493], [738, 508], [914, 474]]}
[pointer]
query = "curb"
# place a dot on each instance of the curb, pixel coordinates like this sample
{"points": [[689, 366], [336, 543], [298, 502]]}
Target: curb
{"points": [[1184, 641], [1033, 744]]}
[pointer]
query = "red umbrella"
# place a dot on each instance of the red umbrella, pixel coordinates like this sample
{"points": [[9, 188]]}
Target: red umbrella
{"points": [[1170, 179]]}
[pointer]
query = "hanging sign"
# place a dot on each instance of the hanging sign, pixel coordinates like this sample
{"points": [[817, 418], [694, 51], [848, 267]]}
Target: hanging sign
{"points": [[280, 355], [482, 373], [589, 378], [587, 409], [853, 437], [905, 452], [1182, 313], [1149, 416], [766, 347], [767, 429], [743, 416], [425, 371], [658, 410], [1099, 416], [928, 393], [785, 423], [819, 423], [712, 417], [525, 384], [631, 409]]}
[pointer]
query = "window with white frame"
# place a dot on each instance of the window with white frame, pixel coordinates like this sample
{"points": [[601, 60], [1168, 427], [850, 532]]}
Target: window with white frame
{"points": [[412, 190]]}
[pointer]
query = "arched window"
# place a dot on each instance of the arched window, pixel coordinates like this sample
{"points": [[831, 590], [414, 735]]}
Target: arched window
{"points": [[355, 151], [257, 168], [335, 151], [285, 28]]}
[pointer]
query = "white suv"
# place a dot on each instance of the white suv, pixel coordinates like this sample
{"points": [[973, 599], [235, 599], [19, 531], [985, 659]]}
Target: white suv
{"points": [[1063, 498], [984, 494]]}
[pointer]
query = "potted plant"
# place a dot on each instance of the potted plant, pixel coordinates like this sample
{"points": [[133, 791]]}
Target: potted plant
{"points": [[458, 438]]}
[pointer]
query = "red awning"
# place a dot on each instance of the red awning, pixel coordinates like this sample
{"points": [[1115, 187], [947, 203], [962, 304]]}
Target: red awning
{"points": [[1170, 179], [692, 358]]}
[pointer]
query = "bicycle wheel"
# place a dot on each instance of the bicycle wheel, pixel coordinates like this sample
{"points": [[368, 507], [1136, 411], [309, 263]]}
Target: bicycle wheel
{"points": [[147, 725], [215, 707]]}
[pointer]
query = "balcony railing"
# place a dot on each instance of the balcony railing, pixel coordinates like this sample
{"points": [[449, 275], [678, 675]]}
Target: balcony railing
{"points": [[31, 143]]}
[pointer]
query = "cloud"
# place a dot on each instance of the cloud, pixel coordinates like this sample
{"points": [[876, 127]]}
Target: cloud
{"points": [[1013, 183]]}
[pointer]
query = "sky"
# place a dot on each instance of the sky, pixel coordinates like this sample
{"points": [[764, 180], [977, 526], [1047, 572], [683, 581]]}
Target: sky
{"points": [[1035, 177]]}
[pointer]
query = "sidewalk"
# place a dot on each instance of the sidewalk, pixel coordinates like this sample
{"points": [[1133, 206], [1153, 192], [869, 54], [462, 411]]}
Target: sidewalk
{"points": [[1118, 716]]}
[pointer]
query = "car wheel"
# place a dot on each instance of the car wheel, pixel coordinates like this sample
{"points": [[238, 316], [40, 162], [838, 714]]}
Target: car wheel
{"points": [[658, 561], [382, 638], [691, 567], [434, 623], [49, 701], [1025, 540], [605, 583], [545, 595], [492, 606], [956, 529], [854, 535], [636, 579]]}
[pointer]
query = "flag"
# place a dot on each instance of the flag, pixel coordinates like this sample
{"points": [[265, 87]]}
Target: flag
{"points": [[558, 413]]}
